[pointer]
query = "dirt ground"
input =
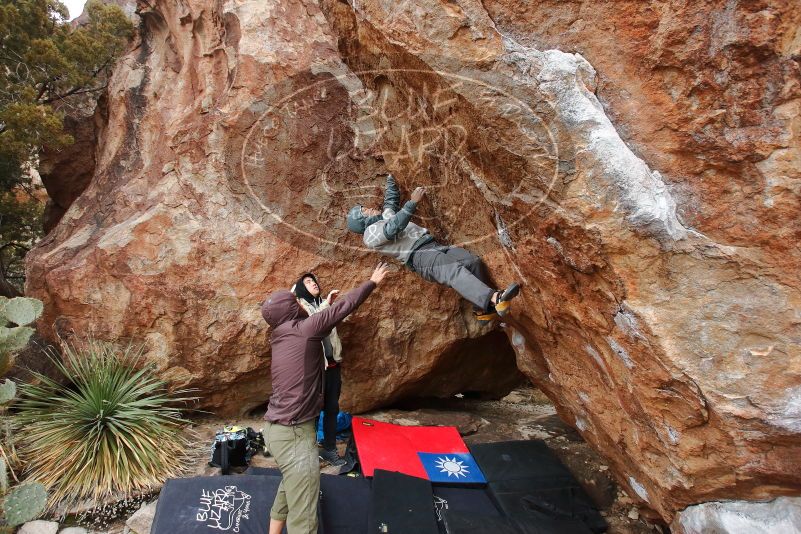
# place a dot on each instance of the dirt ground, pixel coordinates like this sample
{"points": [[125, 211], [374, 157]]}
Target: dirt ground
{"points": [[523, 414]]}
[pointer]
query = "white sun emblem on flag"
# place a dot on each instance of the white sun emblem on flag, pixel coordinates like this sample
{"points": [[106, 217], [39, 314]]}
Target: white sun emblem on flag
{"points": [[452, 467]]}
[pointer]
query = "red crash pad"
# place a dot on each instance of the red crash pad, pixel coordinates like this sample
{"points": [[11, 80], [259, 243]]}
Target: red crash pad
{"points": [[420, 451]]}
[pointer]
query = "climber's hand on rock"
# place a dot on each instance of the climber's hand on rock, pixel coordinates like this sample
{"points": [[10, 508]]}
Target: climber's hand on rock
{"points": [[332, 296], [418, 194], [379, 273]]}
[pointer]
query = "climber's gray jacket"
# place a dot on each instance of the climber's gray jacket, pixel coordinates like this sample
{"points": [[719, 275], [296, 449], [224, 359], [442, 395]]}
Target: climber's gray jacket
{"points": [[394, 234]]}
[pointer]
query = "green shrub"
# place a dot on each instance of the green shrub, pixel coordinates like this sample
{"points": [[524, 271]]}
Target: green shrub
{"points": [[113, 430]]}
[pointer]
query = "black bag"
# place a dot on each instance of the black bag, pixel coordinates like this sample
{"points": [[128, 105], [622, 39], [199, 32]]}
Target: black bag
{"points": [[234, 447]]}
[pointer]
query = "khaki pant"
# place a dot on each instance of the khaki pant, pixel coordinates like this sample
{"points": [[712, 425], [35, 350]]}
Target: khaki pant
{"points": [[295, 450]]}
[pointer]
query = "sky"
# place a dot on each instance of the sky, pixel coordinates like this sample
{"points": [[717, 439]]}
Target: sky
{"points": [[75, 7]]}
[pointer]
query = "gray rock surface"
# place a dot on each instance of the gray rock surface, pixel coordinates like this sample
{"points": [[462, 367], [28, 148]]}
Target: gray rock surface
{"points": [[781, 515], [39, 527], [142, 520]]}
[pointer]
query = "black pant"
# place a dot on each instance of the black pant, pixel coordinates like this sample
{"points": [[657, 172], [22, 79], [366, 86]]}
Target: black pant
{"points": [[333, 386]]}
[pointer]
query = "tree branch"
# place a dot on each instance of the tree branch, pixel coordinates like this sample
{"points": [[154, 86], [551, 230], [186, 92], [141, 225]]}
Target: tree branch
{"points": [[6, 289], [74, 91], [81, 88], [42, 91], [14, 244]]}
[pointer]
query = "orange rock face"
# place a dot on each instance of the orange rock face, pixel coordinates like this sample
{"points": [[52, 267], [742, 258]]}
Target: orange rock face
{"points": [[68, 171], [169, 246], [634, 164]]}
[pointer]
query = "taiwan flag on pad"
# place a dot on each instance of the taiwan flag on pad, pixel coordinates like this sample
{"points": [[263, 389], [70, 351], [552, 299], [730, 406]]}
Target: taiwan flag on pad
{"points": [[436, 453]]}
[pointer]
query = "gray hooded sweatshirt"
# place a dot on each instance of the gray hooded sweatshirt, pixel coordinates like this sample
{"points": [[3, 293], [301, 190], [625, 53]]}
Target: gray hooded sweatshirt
{"points": [[394, 234]]}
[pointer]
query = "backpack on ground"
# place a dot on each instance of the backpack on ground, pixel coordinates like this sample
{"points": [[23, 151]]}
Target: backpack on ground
{"points": [[234, 446], [344, 420]]}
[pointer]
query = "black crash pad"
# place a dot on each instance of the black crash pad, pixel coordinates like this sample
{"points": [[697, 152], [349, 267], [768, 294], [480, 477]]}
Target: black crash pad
{"points": [[512, 460], [475, 501], [344, 501], [401, 504], [466, 523], [236, 504], [528, 482], [344, 504]]}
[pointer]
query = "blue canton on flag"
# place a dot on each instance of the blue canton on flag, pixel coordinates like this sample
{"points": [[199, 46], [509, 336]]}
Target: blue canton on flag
{"points": [[451, 467]]}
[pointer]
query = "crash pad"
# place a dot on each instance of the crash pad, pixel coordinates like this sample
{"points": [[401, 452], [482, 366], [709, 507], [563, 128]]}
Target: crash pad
{"points": [[344, 501], [437, 454], [401, 503], [526, 479], [234, 504]]}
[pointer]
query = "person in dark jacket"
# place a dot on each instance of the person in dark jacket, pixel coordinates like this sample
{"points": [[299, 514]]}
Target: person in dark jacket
{"points": [[307, 290], [393, 233], [297, 382]]}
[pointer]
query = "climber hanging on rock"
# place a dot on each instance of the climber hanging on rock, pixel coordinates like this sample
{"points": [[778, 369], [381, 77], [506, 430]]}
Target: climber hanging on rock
{"points": [[391, 232]]}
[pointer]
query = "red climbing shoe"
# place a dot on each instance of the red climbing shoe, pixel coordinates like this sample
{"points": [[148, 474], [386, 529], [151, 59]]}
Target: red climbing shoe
{"points": [[504, 297]]}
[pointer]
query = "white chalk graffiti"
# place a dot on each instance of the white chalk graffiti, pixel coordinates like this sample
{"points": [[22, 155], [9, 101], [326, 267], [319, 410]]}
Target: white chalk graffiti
{"points": [[223, 508]]}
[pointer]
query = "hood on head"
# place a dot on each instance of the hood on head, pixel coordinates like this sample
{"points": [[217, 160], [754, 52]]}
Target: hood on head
{"points": [[357, 222], [300, 291], [279, 308]]}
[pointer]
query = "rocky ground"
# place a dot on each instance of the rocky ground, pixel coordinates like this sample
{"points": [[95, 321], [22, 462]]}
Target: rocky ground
{"points": [[523, 414]]}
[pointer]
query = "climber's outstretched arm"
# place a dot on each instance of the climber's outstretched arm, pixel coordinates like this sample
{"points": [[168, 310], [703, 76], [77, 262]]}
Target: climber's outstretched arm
{"points": [[398, 222], [391, 195], [380, 234]]}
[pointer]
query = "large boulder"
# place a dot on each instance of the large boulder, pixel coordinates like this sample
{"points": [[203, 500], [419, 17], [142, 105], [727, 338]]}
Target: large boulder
{"points": [[168, 246], [647, 199]]}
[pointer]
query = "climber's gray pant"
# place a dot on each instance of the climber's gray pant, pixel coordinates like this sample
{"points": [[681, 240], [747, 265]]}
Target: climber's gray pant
{"points": [[454, 267]]}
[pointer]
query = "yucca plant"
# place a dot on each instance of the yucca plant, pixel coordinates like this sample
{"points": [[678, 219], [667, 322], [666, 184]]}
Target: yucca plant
{"points": [[113, 430]]}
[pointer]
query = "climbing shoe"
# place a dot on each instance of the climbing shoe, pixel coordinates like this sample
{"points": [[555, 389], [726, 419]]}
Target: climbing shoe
{"points": [[485, 316], [503, 305], [332, 457]]}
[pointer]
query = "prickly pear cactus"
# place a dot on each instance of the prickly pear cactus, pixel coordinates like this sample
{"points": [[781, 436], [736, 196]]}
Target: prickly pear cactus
{"points": [[15, 316], [24, 503], [3, 476], [27, 501], [20, 310], [8, 390]]}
